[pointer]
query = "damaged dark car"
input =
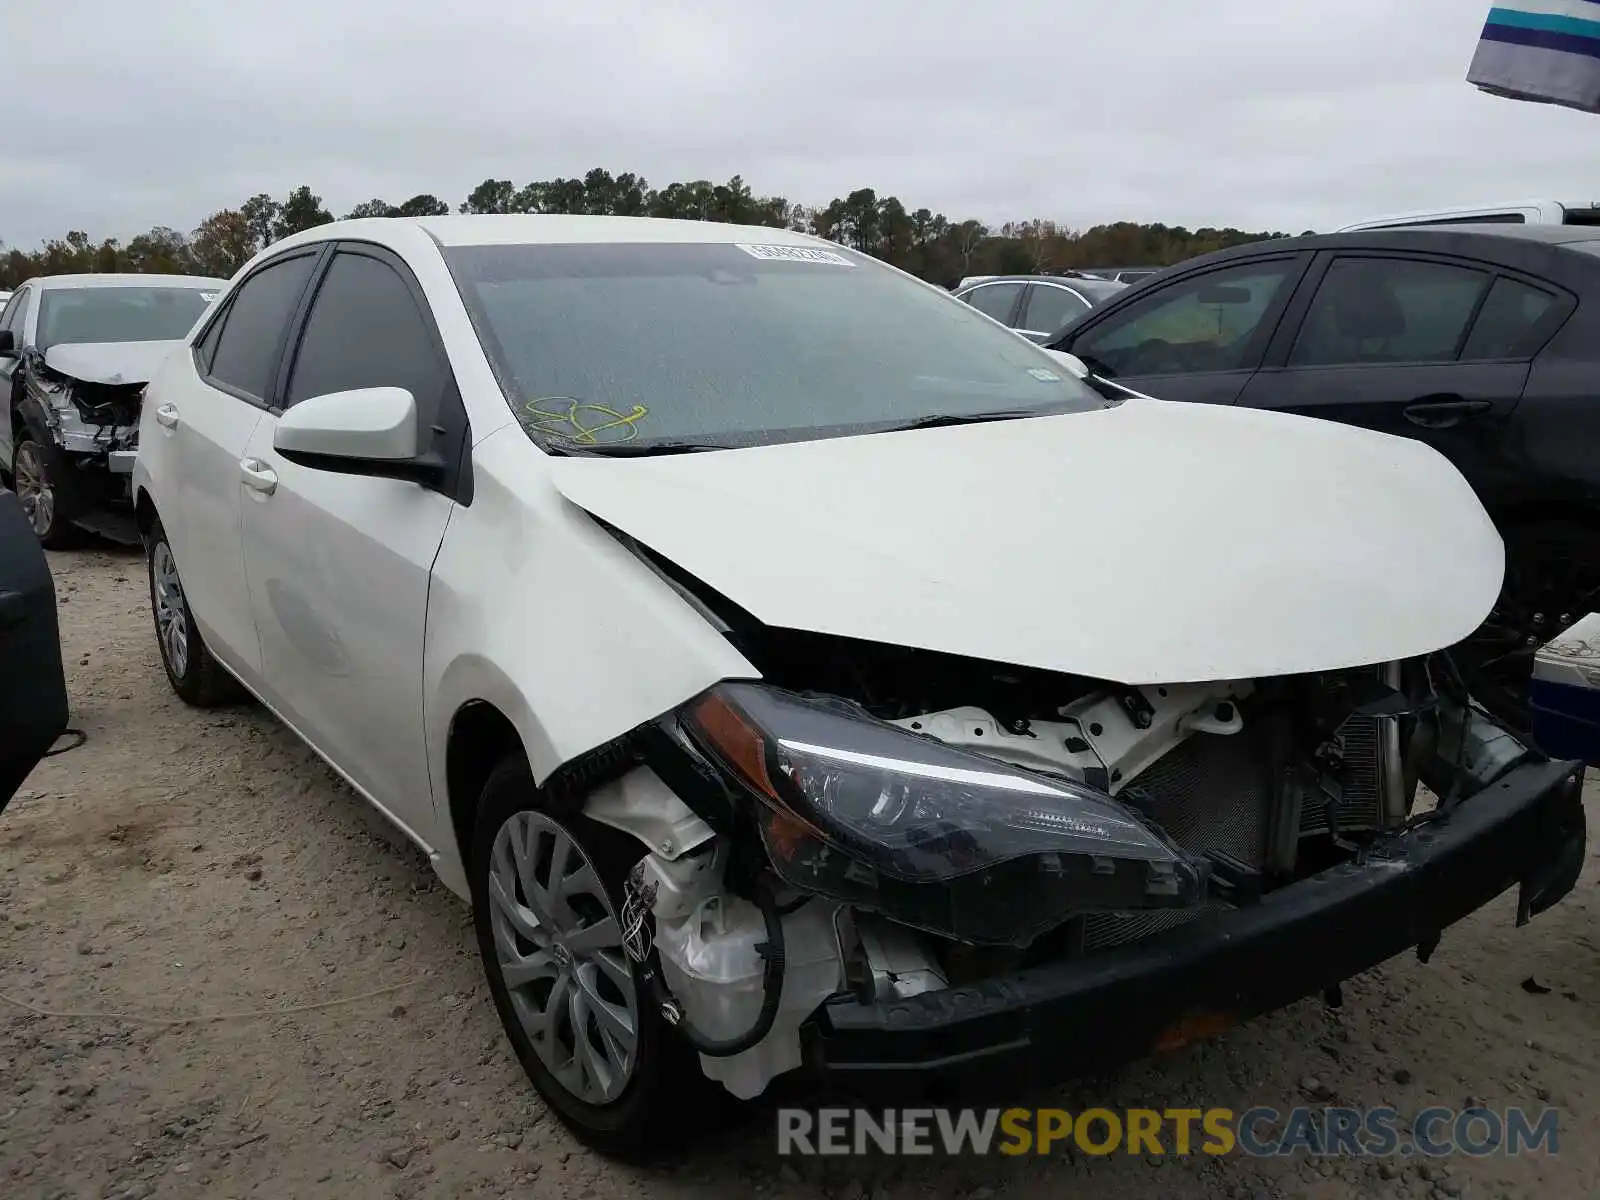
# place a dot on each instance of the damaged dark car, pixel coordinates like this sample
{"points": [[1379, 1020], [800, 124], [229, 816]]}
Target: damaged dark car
{"points": [[75, 354]]}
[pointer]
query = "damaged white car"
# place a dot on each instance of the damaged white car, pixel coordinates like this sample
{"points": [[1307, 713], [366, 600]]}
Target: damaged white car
{"points": [[75, 354], [802, 673]]}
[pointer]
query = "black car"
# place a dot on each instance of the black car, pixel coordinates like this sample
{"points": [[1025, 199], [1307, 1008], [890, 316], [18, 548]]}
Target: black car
{"points": [[1040, 307], [33, 694], [1483, 341]]}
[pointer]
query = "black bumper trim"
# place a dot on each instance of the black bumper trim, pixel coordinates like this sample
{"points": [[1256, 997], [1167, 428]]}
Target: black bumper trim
{"points": [[1117, 1005]]}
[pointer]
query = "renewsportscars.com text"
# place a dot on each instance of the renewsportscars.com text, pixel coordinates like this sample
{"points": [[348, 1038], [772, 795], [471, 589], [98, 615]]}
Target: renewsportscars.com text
{"points": [[1258, 1132]]}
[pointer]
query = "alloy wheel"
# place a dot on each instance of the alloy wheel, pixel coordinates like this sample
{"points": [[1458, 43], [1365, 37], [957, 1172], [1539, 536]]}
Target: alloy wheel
{"points": [[172, 613], [34, 489], [558, 945]]}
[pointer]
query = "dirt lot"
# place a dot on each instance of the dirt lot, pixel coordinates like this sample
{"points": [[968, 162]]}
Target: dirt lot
{"points": [[184, 863]]}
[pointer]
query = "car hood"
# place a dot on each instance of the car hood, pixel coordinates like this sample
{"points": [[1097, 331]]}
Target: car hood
{"points": [[109, 362], [1144, 543]]}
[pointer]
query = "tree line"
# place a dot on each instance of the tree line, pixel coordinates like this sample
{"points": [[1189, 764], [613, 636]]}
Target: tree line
{"points": [[921, 241]]}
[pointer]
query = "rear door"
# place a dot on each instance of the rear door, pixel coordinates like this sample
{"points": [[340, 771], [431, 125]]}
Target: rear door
{"points": [[204, 411], [1197, 338], [1431, 348]]}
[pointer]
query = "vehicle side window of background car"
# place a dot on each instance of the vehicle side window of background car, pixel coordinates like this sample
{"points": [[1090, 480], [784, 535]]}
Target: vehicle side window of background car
{"points": [[994, 299], [11, 318], [1388, 310], [206, 348], [252, 328], [365, 330], [1511, 323], [1205, 323], [1050, 307]]}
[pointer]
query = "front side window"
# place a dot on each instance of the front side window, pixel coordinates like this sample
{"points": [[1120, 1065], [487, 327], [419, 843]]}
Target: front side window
{"points": [[365, 330], [252, 329], [1388, 310], [11, 318], [119, 314], [1205, 323], [721, 344]]}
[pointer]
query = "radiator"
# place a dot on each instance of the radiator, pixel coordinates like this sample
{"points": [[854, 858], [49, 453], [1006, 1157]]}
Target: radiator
{"points": [[1215, 794]]}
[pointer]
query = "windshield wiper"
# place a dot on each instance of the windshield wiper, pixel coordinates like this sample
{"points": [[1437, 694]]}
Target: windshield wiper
{"points": [[936, 420], [637, 449]]}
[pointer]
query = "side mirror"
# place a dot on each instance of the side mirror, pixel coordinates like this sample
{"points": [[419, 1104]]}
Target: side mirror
{"points": [[368, 431], [1071, 362], [8, 343]]}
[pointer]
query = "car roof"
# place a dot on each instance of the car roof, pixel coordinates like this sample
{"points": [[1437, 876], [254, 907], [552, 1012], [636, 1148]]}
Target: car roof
{"points": [[1494, 241], [1085, 283], [50, 283], [516, 229]]}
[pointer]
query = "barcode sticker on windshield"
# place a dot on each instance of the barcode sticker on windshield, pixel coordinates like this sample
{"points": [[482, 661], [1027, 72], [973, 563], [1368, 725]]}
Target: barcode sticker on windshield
{"points": [[803, 254]]}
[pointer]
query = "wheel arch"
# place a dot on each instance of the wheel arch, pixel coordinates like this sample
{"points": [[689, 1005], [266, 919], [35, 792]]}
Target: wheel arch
{"points": [[612, 784], [145, 514], [480, 737]]}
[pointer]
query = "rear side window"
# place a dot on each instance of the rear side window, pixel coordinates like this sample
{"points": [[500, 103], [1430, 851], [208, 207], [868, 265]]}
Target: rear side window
{"points": [[994, 299], [1050, 307], [1512, 322], [259, 312], [365, 330], [1388, 310]]}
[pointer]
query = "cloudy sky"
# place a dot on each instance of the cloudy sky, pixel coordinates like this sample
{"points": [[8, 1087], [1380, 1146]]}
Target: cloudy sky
{"points": [[1254, 113]]}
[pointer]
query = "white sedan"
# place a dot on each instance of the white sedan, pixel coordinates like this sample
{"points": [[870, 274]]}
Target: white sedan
{"points": [[796, 669]]}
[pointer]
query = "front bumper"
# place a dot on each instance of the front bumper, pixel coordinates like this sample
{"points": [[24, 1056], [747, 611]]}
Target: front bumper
{"points": [[1049, 1022]]}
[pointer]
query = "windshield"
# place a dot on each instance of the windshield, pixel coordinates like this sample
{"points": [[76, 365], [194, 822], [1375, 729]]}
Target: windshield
{"points": [[723, 345], [119, 314]]}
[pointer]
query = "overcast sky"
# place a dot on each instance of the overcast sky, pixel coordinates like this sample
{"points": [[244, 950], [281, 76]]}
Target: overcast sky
{"points": [[1254, 113]]}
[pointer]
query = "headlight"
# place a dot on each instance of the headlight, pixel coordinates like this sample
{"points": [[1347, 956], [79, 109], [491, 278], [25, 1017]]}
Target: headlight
{"points": [[951, 841]]}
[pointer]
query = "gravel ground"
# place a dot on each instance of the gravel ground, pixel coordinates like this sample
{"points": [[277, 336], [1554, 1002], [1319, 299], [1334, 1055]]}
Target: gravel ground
{"points": [[185, 863]]}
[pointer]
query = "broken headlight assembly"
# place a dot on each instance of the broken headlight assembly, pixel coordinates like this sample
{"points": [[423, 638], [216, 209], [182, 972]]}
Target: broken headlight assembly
{"points": [[948, 841]]}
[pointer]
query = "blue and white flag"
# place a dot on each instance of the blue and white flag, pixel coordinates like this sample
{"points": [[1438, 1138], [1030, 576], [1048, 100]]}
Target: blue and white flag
{"points": [[1542, 50]]}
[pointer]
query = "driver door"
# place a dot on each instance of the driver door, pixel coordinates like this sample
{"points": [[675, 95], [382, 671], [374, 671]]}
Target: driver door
{"points": [[1198, 338]]}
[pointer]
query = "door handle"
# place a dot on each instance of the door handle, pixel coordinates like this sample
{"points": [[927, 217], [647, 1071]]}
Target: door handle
{"points": [[258, 477], [1444, 414], [167, 416]]}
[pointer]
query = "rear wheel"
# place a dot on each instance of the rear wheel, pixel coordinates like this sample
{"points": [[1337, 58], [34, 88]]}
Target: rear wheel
{"points": [[546, 899], [36, 470], [1552, 580], [195, 675]]}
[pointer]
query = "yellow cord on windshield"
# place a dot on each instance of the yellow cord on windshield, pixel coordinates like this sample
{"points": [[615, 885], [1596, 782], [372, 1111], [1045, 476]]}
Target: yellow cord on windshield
{"points": [[573, 420]]}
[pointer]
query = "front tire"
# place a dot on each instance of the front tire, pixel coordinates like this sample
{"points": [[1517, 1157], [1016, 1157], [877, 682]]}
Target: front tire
{"points": [[36, 473], [194, 674], [546, 899]]}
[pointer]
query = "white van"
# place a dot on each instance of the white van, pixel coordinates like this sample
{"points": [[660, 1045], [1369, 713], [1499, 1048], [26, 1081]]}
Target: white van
{"points": [[1522, 212]]}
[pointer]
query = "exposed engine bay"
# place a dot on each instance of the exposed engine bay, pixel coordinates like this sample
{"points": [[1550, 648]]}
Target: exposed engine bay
{"points": [[93, 421], [92, 425], [921, 821]]}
